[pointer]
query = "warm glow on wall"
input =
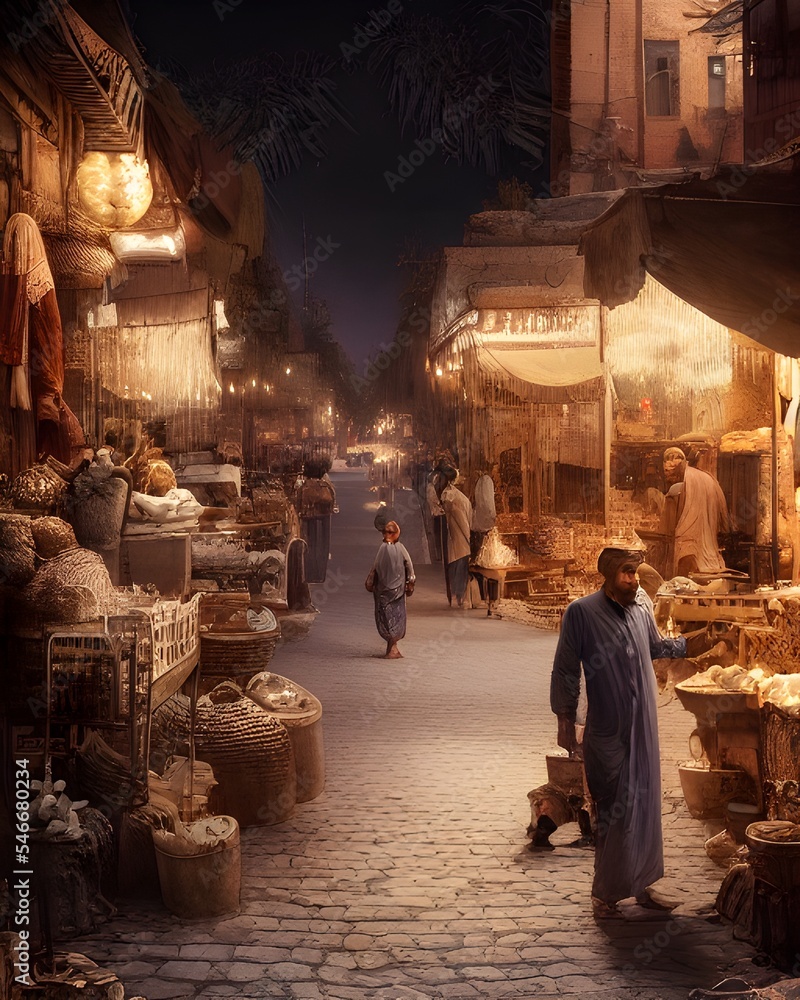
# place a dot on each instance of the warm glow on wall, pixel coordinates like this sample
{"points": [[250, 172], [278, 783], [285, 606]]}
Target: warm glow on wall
{"points": [[114, 189]]}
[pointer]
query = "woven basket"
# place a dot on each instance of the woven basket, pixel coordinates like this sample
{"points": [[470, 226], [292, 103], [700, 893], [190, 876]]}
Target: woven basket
{"points": [[228, 648], [236, 654], [248, 750]]}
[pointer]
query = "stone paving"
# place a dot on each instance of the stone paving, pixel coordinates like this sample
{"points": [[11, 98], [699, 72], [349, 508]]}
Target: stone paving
{"points": [[409, 876]]}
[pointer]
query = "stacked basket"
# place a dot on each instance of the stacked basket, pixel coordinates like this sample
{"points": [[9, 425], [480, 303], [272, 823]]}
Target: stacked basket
{"points": [[229, 647]]}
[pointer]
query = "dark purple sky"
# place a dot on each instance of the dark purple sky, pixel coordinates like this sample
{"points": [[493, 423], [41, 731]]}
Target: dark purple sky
{"points": [[345, 197]]}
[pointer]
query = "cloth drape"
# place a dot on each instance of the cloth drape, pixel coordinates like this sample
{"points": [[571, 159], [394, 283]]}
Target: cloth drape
{"points": [[31, 339], [458, 511], [560, 366], [485, 513]]}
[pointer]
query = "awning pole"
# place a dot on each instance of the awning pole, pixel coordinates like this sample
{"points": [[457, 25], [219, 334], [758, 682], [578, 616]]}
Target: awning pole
{"points": [[776, 416]]}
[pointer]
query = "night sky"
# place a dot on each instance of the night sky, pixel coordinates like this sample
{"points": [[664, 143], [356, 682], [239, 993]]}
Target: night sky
{"points": [[344, 198]]}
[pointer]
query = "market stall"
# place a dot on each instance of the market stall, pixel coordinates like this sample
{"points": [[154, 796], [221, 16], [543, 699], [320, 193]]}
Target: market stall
{"points": [[744, 768]]}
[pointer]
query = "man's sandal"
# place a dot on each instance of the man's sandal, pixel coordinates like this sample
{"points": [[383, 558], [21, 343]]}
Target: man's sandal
{"points": [[602, 910]]}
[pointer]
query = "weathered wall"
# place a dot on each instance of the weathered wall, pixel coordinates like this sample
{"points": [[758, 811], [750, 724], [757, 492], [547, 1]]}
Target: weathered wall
{"points": [[610, 135]]}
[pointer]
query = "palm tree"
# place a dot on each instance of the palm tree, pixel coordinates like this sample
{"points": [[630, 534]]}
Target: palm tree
{"points": [[481, 86], [268, 109]]}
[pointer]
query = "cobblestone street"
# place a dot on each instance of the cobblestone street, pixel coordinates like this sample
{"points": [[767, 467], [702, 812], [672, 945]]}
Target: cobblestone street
{"points": [[409, 877]]}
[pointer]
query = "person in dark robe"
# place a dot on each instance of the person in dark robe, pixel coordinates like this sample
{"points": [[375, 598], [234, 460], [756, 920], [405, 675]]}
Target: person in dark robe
{"points": [[613, 636], [393, 581], [317, 501]]}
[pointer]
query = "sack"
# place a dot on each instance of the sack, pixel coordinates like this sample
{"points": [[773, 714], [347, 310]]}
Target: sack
{"points": [[369, 583]]}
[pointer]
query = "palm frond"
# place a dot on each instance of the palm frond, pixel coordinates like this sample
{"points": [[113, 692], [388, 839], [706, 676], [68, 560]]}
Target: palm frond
{"points": [[270, 110], [482, 85]]}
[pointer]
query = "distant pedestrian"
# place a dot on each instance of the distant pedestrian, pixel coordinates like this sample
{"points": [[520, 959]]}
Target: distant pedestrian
{"points": [[316, 502], [390, 581], [458, 511]]}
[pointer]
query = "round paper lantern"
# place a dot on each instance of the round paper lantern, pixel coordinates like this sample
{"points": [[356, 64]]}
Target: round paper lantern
{"points": [[114, 188]]}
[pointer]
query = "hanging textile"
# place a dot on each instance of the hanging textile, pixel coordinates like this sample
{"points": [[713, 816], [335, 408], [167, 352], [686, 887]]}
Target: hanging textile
{"points": [[31, 341], [149, 363], [661, 341]]}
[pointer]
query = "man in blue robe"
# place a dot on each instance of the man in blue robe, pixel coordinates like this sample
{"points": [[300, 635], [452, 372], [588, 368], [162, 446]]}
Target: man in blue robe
{"points": [[612, 634]]}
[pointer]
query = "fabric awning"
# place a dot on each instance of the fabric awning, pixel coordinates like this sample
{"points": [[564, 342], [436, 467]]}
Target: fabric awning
{"points": [[728, 246], [559, 367]]}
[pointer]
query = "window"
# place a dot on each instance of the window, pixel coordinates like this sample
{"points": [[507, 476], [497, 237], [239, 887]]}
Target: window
{"points": [[716, 81], [662, 78]]}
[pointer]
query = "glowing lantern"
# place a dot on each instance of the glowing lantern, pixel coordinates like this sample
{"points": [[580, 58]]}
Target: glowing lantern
{"points": [[114, 188]]}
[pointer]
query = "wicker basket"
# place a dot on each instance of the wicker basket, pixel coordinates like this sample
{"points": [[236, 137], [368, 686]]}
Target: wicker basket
{"points": [[229, 649], [249, 752], [226, 654]]}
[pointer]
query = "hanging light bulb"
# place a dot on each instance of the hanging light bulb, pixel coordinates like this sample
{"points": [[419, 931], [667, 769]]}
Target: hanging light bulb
{"points": [[114, 189]]}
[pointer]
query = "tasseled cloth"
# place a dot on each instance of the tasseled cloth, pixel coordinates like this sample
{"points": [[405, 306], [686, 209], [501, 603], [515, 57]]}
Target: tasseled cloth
{"points": [[31, 339]]}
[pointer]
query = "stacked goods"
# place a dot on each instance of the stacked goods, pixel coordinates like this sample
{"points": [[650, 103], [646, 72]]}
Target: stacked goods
{"points": [[269, 504], [38, 489], [17, 564], [625, 515], [779, 648], [779, 690], [236, 640], [553, 538], [495, 554], [512, 524], [588, 541], [73, 586]]}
